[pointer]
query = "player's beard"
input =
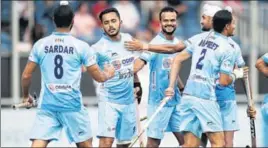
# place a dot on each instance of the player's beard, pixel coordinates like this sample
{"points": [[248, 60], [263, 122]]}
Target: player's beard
{"points": [[205, 29], [169, 32], [114, 34]]}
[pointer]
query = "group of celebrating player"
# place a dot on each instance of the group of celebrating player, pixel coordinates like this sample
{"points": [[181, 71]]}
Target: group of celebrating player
{"points": [[204, 107]]}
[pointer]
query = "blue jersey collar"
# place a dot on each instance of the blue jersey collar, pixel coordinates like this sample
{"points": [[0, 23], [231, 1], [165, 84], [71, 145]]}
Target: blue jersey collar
{"points": [[105, 36], [61, 33], [161, 34]]}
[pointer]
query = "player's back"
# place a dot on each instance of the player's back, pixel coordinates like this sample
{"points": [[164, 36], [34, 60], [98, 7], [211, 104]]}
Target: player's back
{"points": [[60, 57], [228, 92], [210, 55]]}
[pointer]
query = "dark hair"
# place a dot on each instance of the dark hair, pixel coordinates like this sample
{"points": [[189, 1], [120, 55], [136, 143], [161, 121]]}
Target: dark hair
{"points": [[221, 19], [109, 10], [168, 9], [63, 16]]}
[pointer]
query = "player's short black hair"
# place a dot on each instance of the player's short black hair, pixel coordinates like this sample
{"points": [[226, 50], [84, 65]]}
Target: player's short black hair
{"points": [[109, 10], [221, 19], [168, 9], [63, 16]]}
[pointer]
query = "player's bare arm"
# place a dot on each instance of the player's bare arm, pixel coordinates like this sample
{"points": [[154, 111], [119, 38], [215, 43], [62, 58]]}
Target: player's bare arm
{"points": [[101, 76], [26, 81], [180, 84], [138, 65], [137, 45], [262, 66], [175, 69]]}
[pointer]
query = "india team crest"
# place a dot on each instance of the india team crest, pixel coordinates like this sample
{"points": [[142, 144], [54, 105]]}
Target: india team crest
{"points": [[166, 63], [116, 64]]}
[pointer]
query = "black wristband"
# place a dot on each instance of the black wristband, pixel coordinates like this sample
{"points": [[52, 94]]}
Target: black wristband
{"points": [[181, 89], [137, 84]]}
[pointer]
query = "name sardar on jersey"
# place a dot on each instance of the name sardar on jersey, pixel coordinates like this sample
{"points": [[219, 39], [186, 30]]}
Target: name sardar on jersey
{"points": [[208, 44], [59, 49]]}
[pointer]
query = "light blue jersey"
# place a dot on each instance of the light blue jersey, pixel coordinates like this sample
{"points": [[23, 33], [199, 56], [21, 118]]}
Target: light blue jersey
{"points": [[228, 92], [119, 89], [160, 65], [265, 59], [211, 55], [60, 57]]}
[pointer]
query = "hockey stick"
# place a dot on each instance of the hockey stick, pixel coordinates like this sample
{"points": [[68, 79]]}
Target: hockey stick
{"points": [[250, 104], [26, 104], [141, 138], [164, 101]]}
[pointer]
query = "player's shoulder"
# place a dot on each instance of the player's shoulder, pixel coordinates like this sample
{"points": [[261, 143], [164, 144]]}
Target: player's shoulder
{"points": [[41, 41], [126, 36], [158, 39], [233, 43], [100, 44], [79, 42]]}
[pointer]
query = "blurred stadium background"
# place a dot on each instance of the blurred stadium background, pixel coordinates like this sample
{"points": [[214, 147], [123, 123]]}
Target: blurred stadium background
{"points": [[24, 22]]}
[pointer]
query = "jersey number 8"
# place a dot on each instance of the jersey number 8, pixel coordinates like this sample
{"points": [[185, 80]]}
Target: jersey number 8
{"points": [[58, 70]]}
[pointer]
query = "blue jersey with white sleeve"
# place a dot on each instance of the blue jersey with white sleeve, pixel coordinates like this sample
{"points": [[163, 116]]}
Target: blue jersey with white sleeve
{"points": [[211, 55], [160, 65], [60, 57], [118, 89]]}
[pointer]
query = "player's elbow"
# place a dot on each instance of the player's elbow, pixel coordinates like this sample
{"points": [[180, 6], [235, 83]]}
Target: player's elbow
{"points": [[26, 76]]}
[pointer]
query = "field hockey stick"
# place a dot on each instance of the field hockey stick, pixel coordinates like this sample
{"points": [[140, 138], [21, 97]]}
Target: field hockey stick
{"points": [[141, 138], [247, 88], [26, 104], [164, 101]]}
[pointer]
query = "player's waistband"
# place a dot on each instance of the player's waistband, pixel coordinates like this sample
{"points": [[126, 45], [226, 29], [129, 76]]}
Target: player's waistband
{"points": [[190, 95]]}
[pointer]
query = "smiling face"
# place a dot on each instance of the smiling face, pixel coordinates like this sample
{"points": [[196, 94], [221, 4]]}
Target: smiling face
{"points": [[168, 22]]}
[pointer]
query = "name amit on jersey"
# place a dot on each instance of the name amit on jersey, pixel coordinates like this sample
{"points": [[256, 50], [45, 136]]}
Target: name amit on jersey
{"points": [[208, 44], [59, 49]]}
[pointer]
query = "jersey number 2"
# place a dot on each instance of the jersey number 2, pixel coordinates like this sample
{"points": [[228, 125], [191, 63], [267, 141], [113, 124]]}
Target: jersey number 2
{"points": [[198, 64], [58, 70]]}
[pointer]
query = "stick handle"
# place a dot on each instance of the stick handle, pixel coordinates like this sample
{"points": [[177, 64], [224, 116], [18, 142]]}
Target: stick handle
{"points": [[164, 101], [250, 104]]}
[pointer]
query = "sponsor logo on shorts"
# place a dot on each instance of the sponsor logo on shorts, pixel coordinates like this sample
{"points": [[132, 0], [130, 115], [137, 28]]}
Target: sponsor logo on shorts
{"points": [[59, 88], [81, 133], [210, 123], [111, 129]]}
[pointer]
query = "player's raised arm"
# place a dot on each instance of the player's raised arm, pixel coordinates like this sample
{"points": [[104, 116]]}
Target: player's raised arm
{"points": [[262, 66], [137, 45], [175, 69]]}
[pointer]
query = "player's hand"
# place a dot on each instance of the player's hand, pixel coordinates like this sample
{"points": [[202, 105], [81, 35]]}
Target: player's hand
{"points": [[109, 70], [28, 101], [251, 112], [138, 91], [241, 72], [245, 71], [169, 92], [135, 45]]}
